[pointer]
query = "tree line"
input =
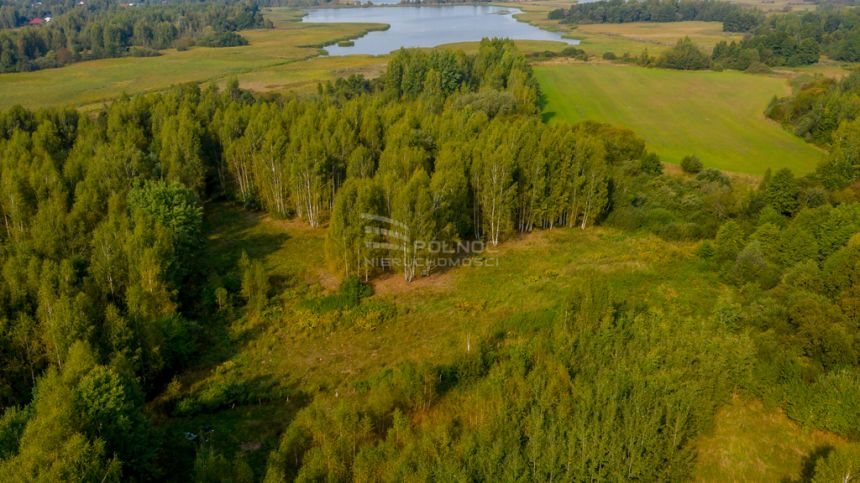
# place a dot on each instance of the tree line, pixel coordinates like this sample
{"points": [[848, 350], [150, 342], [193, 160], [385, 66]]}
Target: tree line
{"points": [[735, 18], [791, 39], [101, 30]]}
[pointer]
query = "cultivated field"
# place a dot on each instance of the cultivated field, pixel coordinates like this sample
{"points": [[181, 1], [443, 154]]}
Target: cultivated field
{"points": [[717, 116]]}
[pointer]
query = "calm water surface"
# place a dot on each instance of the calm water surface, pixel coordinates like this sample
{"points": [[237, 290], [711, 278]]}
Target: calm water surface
{"points": [[429, 26]]}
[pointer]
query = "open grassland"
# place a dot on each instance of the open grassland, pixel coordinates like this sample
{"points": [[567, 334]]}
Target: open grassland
{"points": [[753, 443], [270, 49], [705, 34], [717, 116]]}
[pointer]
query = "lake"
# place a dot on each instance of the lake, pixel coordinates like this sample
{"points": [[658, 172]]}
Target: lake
{"points": [[429, 26]]}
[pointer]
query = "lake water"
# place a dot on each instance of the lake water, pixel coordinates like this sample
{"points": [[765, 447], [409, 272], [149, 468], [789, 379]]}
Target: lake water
{"points": [[429, 26]]}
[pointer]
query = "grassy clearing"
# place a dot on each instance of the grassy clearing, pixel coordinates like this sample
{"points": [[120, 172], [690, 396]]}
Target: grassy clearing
{"points": [[270, 49], [435, 316], [436, 313], [753, 443], [717, 116]]}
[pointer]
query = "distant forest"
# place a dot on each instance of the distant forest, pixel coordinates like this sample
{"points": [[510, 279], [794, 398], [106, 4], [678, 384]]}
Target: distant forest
{"points": [[107, 29], [735, 18]]}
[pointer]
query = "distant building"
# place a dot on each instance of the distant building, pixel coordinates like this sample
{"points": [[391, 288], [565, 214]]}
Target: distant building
{"points": [[36, 21]]}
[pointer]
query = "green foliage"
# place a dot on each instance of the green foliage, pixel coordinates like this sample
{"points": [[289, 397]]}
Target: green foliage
{"points": [[255, 284], [177, 209], [781, 192], [211, 466], [823, 112], [735, 17], [582, 414], [101, 30], [691, 164], [838, 465], [348, 296], [85, 420], [729, 241], [685, 55], [101, 286]]}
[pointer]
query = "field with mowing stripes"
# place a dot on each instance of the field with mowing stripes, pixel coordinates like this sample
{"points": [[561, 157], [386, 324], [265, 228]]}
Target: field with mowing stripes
{"points": [[717, 116]]}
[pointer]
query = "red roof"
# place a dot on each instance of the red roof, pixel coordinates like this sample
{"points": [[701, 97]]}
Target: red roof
{"points": [[36, 21]]}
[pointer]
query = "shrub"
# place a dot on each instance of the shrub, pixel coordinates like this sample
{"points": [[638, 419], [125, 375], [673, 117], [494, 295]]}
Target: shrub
{"points": [[575, 53], [143, 52], [183, 43], [609, 56], [651, 164], [758, 68], [691, 164], [222, 39], [685, 55]]}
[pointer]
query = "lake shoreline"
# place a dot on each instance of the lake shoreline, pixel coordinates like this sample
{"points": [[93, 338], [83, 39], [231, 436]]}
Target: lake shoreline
{"points": [[427, 26]]}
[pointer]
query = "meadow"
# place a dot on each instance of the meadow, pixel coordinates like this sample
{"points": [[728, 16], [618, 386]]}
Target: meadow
{"points": [[717, 116], [270, 53], [660, 34]]}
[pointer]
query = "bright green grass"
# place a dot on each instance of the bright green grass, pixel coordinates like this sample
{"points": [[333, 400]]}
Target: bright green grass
{"points": [[717, 116]]}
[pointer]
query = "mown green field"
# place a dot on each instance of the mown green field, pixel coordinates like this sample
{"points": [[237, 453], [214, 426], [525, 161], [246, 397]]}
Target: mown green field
{"points": [[717, 116]]}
